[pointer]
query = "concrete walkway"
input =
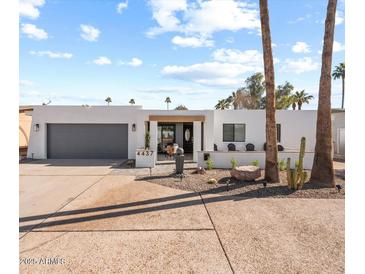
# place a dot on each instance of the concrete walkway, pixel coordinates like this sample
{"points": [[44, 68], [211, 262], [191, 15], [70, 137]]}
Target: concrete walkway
{"points": [[98, 219]]}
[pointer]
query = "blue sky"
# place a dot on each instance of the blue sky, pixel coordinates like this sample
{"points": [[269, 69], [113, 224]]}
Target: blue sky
{"points": [[196, 52]]}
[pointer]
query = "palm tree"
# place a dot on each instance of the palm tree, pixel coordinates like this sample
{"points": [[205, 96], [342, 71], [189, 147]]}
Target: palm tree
{"points": [[300, 98], [108, 100], [255, 87], [339, 72], [242, 99], [271, 155], [181, 107], [132, 102], [222, 104], [322, 170], [283, 96], [167, 101]]}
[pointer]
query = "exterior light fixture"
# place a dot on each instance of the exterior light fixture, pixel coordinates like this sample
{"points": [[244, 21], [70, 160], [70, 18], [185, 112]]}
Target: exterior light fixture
{"points": [[134, 127], [36, 127]]}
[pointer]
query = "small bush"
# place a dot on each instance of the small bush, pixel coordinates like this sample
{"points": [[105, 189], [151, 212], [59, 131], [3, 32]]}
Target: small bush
{"points": [[147, 140], [282, 165], [209, 163], [212, 181], [255, 163], [233, 163]]}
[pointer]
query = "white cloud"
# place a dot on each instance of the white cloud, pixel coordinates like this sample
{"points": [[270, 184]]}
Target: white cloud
{"points": [[89, 33], [26, 83], [102, 60], [339, 18], [134, 62], [203, 17], [193, 42], [33, 32], [29, 8], [273, 45], [164, 13], [248, 57], [180, 90], [337, 46], [209, 73], [230, 40], [300, 65], [212, 16], [52, 54], [121, 6], [301, 47]]}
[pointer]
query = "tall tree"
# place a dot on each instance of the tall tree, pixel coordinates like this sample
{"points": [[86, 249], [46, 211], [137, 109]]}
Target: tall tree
{"points": [[339, 73], [108, 100], [222, 104], [132, 102], [322, 170], [167, 101], [283, 95], [299, 98], [255, 87], [271, 158], [181, 107]]}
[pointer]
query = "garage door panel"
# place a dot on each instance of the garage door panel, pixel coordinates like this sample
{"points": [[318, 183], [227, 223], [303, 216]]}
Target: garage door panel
{"points": [[87, 141]]}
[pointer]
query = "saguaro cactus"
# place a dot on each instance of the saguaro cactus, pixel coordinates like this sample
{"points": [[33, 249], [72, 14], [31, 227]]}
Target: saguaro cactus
{"points": [[297, 176]]}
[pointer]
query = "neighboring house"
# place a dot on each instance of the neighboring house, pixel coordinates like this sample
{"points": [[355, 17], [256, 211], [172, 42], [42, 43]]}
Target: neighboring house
{"points": [[25, 123], [338, 133], [118, 131]]}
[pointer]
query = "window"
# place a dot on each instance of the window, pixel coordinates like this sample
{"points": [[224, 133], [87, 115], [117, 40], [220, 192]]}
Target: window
{"points": [[278, 132], [234, 132]]}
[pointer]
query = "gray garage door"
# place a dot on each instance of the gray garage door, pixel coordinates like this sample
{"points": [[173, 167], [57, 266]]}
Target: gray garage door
{"points": [[87, 141]]}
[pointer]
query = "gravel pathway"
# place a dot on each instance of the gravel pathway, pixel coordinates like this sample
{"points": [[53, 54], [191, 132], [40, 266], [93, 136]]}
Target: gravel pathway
{"points": [[254, 189]]}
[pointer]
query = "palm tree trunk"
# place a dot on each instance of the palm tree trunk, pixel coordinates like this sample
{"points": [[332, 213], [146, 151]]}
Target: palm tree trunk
{"points": [[322, 170], [343, 92], [299, 106], [271, 155]]}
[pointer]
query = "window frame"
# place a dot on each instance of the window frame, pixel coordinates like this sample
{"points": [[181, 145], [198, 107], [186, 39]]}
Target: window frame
{"points": [[278, 133], [234, 132]]}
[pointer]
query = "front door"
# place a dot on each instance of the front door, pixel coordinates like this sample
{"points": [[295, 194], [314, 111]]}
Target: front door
{"points": [[188, 138], [165, 136]]}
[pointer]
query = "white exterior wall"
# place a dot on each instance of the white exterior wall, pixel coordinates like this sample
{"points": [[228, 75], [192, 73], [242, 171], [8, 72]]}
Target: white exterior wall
{"points": [[83, 115], [338, 136], [222, 159], [294, 125]]}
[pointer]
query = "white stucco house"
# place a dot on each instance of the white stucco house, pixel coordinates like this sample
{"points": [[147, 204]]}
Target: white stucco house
{"points": [[119, 131], [338, 133]]}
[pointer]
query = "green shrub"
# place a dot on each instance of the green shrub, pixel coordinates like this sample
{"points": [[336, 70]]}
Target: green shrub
{"points": [[233, 163], [209, 163], [147, 140], [255, 163], [282, 165]]}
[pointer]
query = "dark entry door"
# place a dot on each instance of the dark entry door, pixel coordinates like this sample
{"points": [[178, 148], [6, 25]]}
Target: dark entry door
{"points": [[87, 141], [188, 138]]}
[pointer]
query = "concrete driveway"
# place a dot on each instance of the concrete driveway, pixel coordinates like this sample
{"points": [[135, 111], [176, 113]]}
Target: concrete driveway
{"points": [[93, 219]]}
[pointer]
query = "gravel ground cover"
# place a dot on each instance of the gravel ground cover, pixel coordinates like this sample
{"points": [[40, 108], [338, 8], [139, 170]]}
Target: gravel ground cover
{"points": [[255, 189]]}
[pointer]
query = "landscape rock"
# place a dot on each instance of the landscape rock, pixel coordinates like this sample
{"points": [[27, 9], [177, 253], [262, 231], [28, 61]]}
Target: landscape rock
{"points": [[246, 173]]}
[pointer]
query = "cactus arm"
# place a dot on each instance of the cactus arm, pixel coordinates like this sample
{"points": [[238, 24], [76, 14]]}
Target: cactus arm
{"points": [[288, 173]]}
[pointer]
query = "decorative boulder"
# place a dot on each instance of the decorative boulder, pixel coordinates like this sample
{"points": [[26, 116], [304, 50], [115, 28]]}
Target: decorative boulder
{"points": [[200, 170], [246, 173]]}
